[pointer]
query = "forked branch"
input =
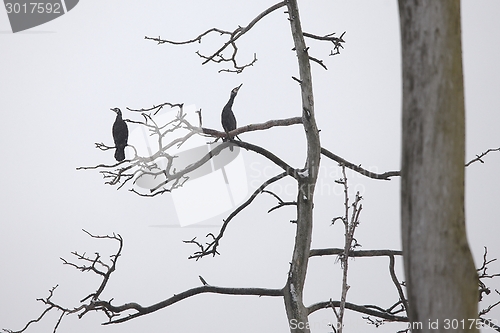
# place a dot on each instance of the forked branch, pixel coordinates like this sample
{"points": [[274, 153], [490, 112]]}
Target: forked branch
{"points": [[141, 311], [337, 41], [233, 36], [389, 314], [211, 247], [114, 313], [371, 310]]}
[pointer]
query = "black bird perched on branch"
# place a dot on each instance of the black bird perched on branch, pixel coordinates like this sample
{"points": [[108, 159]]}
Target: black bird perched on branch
{"points": [[120, 135], [227, 117]]}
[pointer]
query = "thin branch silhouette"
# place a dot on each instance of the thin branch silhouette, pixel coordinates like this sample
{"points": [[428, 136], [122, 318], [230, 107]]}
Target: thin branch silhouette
{"points": [[233, 36]]}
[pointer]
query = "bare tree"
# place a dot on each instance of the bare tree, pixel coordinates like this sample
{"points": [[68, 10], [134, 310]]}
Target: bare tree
{"points": [[171, 178]]}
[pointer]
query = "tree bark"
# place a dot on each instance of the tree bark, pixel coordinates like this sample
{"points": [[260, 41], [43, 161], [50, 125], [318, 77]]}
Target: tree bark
{"points": [[297, 313], [440, 274]]}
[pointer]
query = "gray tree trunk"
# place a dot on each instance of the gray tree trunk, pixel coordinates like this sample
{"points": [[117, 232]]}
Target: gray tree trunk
{"points": [[297, 313], [440, 274]]}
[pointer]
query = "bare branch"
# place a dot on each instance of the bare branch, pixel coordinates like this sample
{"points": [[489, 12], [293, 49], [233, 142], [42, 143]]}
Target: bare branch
{"points": [[217, 56], [395, 280], [253, 127], [281, 203], [215, 151], [157, 108], [150, 194], [386, 175], [366, 309], [354, 254], [485, 290], [490, 324], [480, 156], [140, 310], [211, 248], [488, 309], [205, 283], [359, 169], [196, 39], [112, 312], [138, 166], [102, 165], [320, 62], [298, 80], [482, 271], [350, 242], [39, 317], [109, 268], [377, 322], [337, 41]]}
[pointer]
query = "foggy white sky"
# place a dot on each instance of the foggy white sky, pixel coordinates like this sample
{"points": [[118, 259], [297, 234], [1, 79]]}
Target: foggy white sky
{"points": [[58, 81]]}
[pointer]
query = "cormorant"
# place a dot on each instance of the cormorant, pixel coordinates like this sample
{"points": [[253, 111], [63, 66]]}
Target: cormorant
{"points": [[120, 135], [227, 117]]}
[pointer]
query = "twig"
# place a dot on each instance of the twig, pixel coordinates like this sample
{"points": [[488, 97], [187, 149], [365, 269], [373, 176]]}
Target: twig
{"points": [[157, 108], [320, 62], [52, 306], [490, 323], [480, 156]]}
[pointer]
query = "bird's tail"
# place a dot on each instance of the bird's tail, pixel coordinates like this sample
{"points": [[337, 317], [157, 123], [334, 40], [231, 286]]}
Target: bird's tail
{"points": [[120, 153], [226, 140]]}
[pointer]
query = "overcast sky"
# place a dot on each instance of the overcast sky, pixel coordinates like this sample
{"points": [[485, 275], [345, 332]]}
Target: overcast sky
{"points": [[59, 80]]}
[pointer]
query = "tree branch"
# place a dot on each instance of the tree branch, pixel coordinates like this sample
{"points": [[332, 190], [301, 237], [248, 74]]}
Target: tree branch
{"points": [[158, 108], [320, 62], [141, 311], [354, 254], [350, 243], [217, 56], [480, 156], [51, 305], [110, 268], [253, 127], [367, 309], [211, 248], [395, 280], [490, 323], [215, 151], [337, 41], [281, 203], [359, 169], [387, 175]]}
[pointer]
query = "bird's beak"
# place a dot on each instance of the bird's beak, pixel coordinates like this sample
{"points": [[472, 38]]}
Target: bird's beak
{"points": [[112, 109], [238, 87]]}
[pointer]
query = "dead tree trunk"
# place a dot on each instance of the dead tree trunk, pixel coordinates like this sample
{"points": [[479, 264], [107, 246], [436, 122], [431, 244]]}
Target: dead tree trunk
{"points": [[440, 274], [296, 311]]}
